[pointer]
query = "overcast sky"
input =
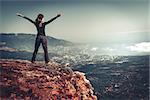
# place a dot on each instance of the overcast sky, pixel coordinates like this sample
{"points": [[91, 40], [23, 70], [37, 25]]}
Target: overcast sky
{"points": [[82, 21]]}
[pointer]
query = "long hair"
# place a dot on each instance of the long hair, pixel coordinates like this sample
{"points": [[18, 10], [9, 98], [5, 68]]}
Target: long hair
{"points": [[39, 16]]}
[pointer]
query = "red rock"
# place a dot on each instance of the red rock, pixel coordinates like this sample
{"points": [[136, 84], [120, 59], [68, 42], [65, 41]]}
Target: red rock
{"points": [[21, 79]]}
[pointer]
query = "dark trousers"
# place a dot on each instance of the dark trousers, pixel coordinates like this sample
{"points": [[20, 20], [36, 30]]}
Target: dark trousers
{"points": [[41, 39]]}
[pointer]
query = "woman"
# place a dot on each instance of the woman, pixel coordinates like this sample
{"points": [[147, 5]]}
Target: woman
{"points": [[41, 37]]}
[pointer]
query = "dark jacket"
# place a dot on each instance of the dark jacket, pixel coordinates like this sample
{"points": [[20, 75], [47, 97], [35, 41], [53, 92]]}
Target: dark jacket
{"points": [[41, 30]]}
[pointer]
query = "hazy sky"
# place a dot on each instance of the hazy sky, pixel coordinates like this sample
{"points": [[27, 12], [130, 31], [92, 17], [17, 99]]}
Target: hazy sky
{"points": [[85, 21]]}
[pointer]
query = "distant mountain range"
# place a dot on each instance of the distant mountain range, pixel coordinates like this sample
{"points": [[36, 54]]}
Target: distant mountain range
{"points": [[24, 41]]}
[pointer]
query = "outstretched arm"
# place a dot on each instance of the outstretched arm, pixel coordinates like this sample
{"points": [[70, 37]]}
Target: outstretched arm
{"points": [[20, 15], [52, 19]]}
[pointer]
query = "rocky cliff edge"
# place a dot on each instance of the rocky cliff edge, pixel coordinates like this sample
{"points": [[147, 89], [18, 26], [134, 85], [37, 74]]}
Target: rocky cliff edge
{"points": [[20, 79]]}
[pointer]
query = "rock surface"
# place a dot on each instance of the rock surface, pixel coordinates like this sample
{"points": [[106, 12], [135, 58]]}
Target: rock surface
{"points": [[20, 79]]}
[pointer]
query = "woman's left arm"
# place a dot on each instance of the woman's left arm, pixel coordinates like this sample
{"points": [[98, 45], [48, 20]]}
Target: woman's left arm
{"points": [[52, 19]]}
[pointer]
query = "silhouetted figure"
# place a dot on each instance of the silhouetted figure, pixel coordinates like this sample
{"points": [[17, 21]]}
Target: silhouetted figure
{"points": [[41, 37]]}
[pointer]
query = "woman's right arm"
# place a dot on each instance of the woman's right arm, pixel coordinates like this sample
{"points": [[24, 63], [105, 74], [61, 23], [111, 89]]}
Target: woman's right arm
{"points": [[20, 15]]}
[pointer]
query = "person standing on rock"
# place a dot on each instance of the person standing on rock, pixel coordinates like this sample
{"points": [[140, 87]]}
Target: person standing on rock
{"points": [[41, 37]]}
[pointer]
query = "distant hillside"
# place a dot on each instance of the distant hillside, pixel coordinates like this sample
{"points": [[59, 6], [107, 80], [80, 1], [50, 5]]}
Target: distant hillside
{"points": [[23, 41]]}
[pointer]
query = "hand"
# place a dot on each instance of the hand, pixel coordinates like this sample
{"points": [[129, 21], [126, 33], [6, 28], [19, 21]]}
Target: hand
{"points": [[58, 15], [20, 15]]}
